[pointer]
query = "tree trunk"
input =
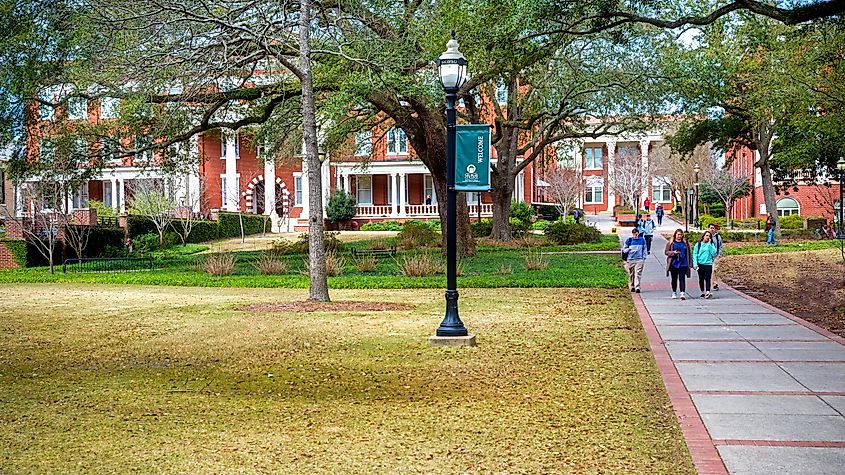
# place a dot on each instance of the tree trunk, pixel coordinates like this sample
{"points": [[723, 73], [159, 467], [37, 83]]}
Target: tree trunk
{"points": [[728, 207], [318, 285], [763, 141], [502, 197]]}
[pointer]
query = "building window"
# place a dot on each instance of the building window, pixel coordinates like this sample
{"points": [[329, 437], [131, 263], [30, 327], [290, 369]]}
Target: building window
{"points": [[662, 193], [594, 194], [77, 108], [428, 185], [47, 151], [397, 142], [80, 197], [146, 155], [501, 93], [363, 143], [297, 190], [787, 207], [564, 157], [111, 151], [109, 107], [365, 189], [593, 158], [2, 187], [224, 195], [224, 140]]}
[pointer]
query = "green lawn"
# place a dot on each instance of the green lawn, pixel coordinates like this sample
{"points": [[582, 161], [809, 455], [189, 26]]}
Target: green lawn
{"points": [[116, 379], [784, 247]]}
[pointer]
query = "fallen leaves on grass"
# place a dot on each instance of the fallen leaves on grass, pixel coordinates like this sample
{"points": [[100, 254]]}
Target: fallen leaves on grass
{"points": [[312, 306]]}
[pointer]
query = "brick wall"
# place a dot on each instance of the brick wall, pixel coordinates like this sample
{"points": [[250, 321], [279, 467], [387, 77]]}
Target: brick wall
{"points": [[7, 260]]}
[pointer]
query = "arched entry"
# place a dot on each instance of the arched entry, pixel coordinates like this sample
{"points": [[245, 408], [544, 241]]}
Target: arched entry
{"points": [[254, 196]]}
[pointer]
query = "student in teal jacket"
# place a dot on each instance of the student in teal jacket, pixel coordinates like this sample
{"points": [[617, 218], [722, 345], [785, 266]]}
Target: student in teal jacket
{"points": [[702, 261]]}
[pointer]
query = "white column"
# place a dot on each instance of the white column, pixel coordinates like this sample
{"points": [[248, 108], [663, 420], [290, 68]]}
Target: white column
{"points": [[519, 187], [644, 168], [269, 187], [578, 157], [115, 203], [306, 203], [346, 183], [120, 195], [325, 177], [19, 200], [402, 187], [394, 200], [194, 192], [233, 193], [611, 169]]}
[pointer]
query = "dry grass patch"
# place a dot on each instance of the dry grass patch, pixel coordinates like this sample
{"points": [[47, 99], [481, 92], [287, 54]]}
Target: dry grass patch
{"points": [[536, 260], [271, 265], [157, 379], [419, 265], [220, 264], [365, 264]]}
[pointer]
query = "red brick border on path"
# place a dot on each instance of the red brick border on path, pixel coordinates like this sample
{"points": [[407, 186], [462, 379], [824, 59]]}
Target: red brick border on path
{"points": [[705, 457]]}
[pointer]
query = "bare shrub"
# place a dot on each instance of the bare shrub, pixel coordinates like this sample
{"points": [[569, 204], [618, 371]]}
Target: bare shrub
{"points": [[220, 264], [379, 244], [419, 265], [365, 264], [536, 260], [504, 269], [271, 265]]}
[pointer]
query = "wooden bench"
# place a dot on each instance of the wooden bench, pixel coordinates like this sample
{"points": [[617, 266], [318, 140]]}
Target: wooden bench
{"points": [[628, 223], [390, 252]]}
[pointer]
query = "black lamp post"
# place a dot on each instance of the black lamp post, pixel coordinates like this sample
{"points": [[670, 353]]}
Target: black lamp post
{"points": [[840, 167], [452, 66], [688, 206], [696, 169]]}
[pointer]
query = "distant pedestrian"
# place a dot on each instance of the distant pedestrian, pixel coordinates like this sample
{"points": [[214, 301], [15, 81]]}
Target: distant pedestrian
{"points": [[719, 245], [659, 212], [678, 262], [428, 200], [635, 252], [702, 261], [770, 229], [577, 216], [648, 228], [646, 203]]}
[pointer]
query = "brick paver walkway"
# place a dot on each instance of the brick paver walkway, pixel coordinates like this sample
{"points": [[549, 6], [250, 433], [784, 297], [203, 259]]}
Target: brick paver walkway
{"points": [[756, 390]]}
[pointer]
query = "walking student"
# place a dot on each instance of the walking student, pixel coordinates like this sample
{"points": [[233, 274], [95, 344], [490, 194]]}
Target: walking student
{"points": [[678, 262], [648, 228], [659, 212], [770, 229], [702, 261], [719, 245], [635, 251], [646, 204]]}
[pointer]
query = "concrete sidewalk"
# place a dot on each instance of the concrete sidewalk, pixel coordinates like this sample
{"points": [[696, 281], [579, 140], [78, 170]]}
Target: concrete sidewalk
{"points": [[756, 390]]}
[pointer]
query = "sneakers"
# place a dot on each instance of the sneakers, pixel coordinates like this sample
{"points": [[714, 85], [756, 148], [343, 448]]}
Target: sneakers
{"points": [[632, 289], [638, 290], [702, 295], [674, 295], [715, 287], [708, 295], [683, 295]]}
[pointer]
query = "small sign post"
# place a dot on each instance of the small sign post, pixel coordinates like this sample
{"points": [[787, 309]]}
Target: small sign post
{"points": [[472, 158]]}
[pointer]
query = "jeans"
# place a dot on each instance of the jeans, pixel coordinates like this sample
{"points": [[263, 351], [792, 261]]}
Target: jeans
{"points": [[648, 243], [705, 273], [771, 237], [679, 276], [635, 273], [659, 220]]}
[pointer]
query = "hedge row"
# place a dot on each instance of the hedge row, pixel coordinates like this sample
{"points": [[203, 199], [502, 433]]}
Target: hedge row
{"points": [[100, 239], [227, 225]]}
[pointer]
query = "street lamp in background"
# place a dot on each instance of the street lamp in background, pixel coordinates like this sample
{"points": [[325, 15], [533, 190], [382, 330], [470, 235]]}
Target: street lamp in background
{"points": [[840, 167], [452, 66], [688, 195], [696, 169]]}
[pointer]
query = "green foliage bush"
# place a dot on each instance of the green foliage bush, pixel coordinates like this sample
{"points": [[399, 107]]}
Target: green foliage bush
{"points": [[522, 211], [98, 239], [382, 226], [146, 243], [707, 220], [548, 212], [103, 211], [518, 226], [793, 221], [417, 234], [540, 225], [561, 233], [330, 241], [481, 228], [18, 249], [228, 224], [340, 207]]}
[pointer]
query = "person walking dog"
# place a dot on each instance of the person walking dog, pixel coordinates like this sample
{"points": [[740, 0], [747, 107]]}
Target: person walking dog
{"points": [[678, 262], [702, 261], [719, 245], [635, 255]]}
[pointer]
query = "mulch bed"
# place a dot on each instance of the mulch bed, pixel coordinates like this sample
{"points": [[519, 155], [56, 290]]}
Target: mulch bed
{"points": [[803, 284], [338, 306]]}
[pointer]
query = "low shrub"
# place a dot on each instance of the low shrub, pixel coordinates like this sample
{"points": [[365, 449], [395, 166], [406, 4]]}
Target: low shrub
{"points": [[229, 224], [503, 269], [146, 243], [707, 220], [220, 264], [382, 226], [547, 212], [287, 247], [793, 221], [330, 242], [536, 260], [269, 264], [481, 228], [365, 264], [540, 225], [518, 227], [334, 263], [340, 207], [18, 249], [561, 233], [419, 265], [522, 211], [417, 234]]}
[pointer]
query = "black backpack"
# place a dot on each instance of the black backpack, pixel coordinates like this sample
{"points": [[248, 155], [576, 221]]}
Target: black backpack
{"points": [[625, 253]]}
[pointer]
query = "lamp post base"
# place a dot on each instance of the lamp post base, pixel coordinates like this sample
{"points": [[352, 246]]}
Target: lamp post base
{"points": [[468, 340], [451, 325]]}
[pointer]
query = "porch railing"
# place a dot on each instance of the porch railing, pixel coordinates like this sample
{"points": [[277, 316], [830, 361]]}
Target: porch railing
{"points": [[416, 211]]}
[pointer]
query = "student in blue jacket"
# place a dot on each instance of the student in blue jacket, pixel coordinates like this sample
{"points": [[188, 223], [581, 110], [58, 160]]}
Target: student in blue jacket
{"points": [[702, 261], [635, 247]]}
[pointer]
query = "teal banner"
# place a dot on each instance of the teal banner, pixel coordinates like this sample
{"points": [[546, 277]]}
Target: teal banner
{"points": [[472, 157]]}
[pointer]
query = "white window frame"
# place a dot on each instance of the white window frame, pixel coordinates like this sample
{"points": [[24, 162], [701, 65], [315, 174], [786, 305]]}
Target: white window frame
{"points": [[428, 189], [368, 179], [223, 139], [80, 197], [77, 108], [109, 107], [501, 93], [664, 190], [565, 157], [781, 212], [590, 158], [397, 142], [593, 190], [297, 189], [364, 143]]}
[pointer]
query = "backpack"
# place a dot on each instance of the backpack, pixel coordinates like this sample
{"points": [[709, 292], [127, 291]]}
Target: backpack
{"points": [[625, 253]]}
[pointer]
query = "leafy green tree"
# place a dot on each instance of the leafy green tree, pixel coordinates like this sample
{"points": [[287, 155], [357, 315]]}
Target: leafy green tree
{"points": [[340, 207]]}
